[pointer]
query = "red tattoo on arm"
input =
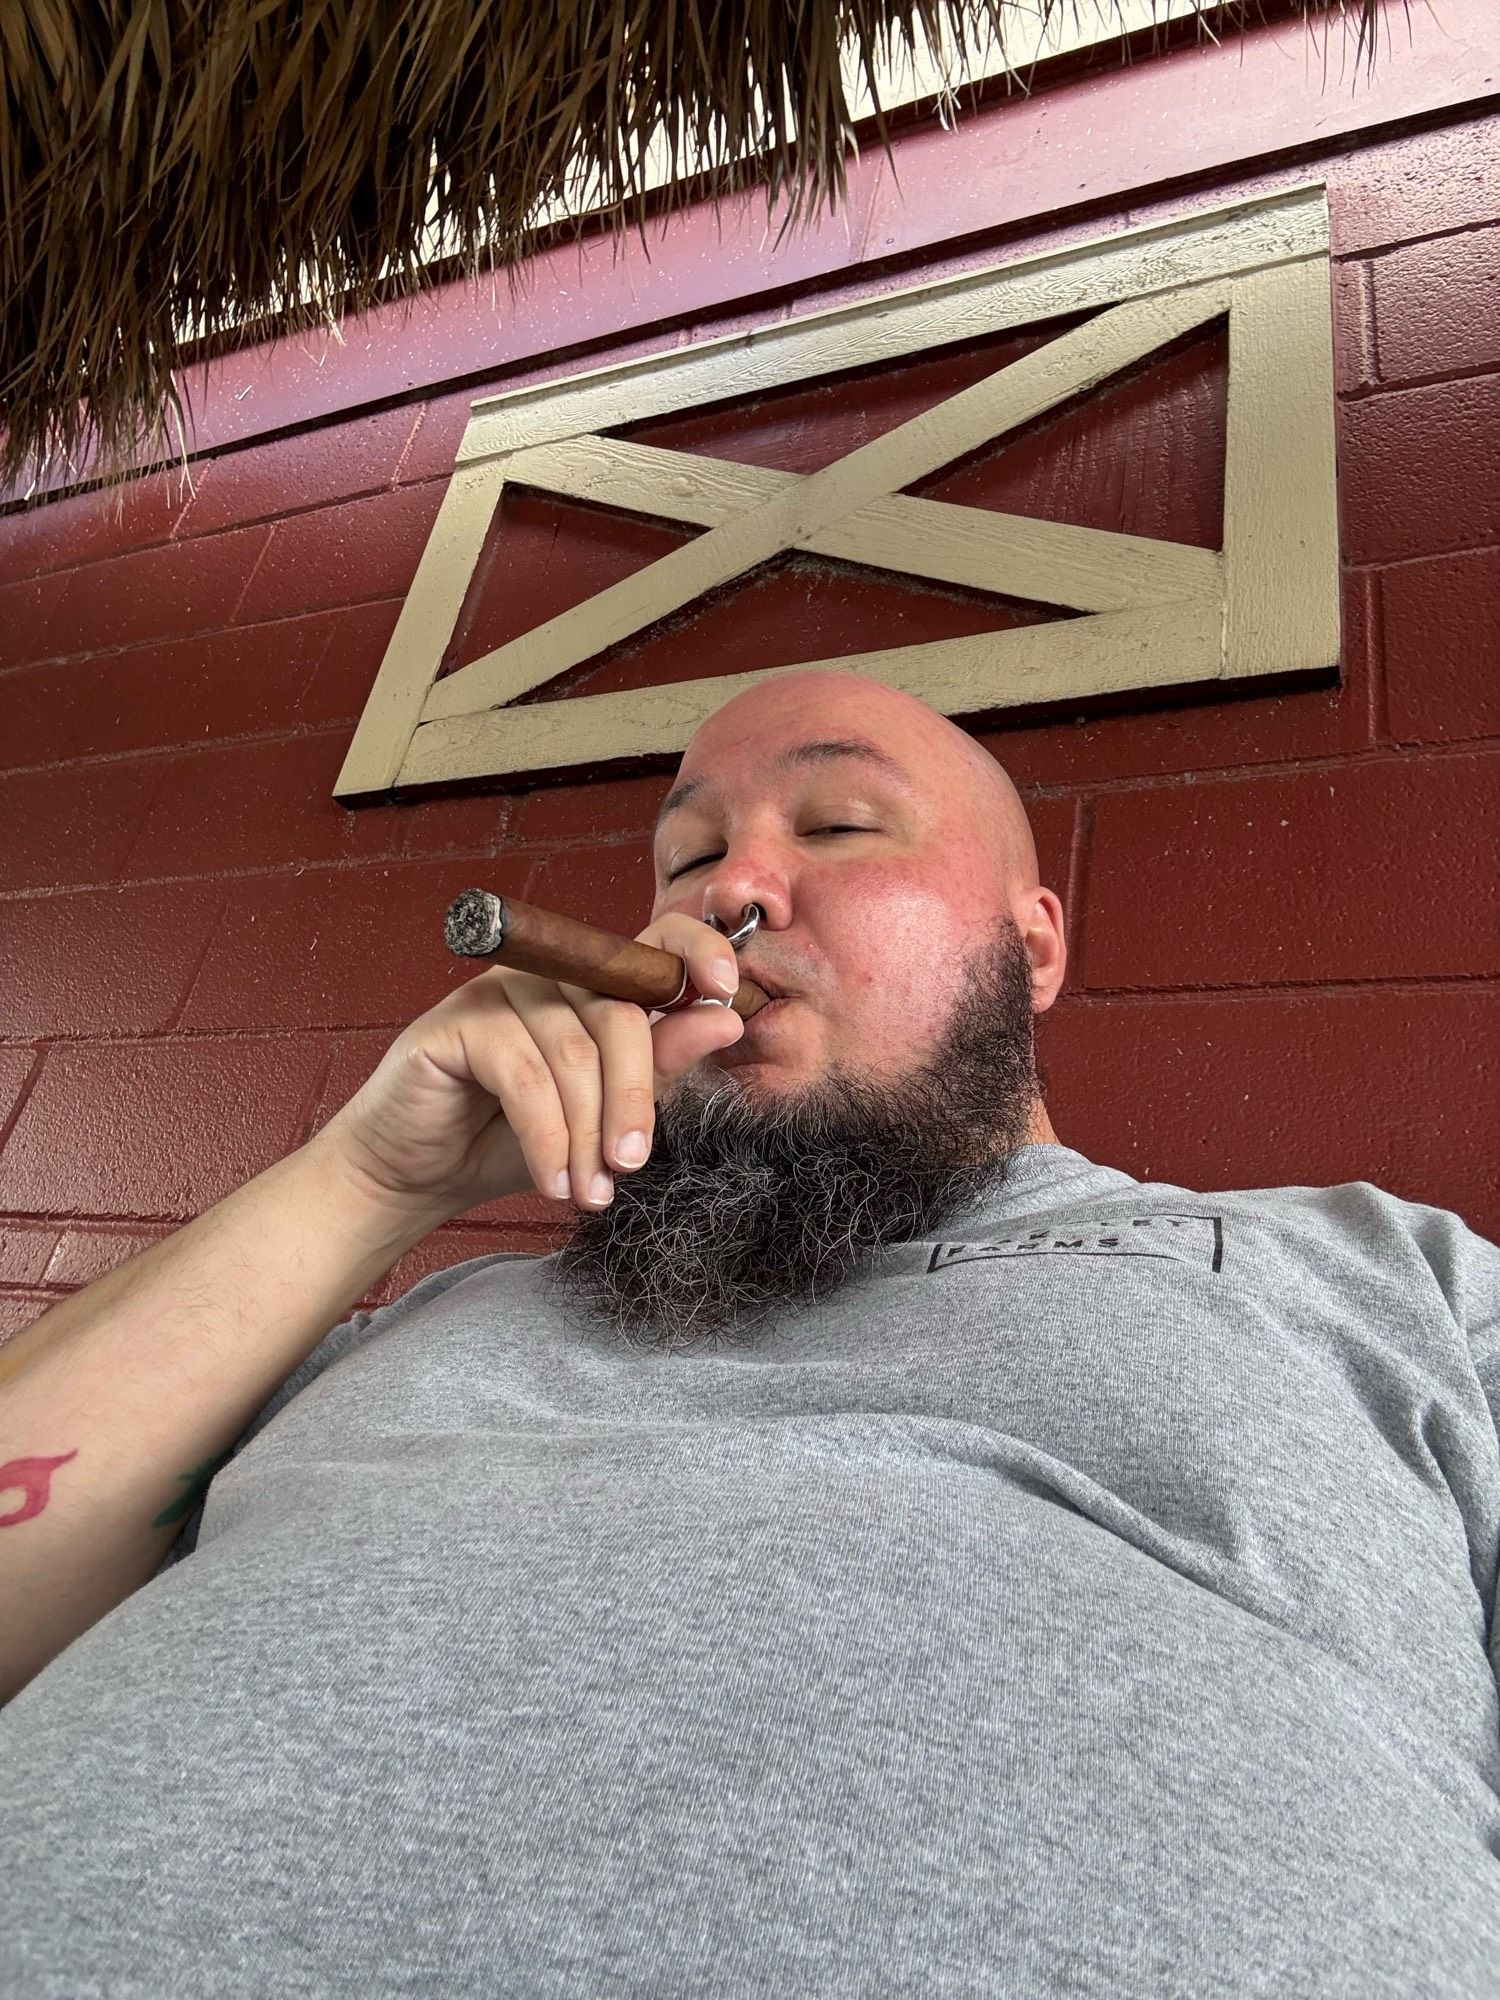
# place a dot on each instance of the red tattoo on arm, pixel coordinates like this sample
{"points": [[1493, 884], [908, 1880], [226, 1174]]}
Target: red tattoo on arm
{"points": [[34, 1477]]}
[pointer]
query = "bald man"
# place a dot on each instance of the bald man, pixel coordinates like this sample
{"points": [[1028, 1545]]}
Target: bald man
{"points": [[909, 942], [883, 1553]]}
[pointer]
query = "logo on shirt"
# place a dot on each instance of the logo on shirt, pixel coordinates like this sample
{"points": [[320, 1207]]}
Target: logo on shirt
{"points": [[1185, 1238]]}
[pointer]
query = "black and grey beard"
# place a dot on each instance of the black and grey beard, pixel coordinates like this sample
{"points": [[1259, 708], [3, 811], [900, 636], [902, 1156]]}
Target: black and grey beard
{"points": [[746, 1207]]}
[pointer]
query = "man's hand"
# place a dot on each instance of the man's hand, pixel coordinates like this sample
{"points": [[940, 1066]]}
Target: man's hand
{"points": [[512, 1080]]}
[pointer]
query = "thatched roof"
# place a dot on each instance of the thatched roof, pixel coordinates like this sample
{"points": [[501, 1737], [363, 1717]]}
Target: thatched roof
{"points": [[180, 168]]}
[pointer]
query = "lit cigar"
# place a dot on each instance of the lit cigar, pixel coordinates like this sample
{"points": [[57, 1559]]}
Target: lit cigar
{"points": [[480, 924]]}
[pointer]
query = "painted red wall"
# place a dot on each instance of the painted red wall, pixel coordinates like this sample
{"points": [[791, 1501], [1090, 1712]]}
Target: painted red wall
{"points": [[1282, 911]]}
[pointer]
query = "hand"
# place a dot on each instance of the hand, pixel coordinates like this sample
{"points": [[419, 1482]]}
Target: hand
{"points": [[512, 1081]]}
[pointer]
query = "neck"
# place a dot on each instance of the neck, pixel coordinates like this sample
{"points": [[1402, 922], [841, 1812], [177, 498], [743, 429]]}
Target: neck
{"points": [[1039, 1132]]}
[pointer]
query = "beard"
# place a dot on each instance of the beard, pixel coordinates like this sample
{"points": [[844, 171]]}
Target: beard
{"points": [[744, 1208]]}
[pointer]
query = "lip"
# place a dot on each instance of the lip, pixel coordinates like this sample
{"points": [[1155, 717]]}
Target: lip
{"points": [[747, 1048], [755, 1025], [772, 986]]}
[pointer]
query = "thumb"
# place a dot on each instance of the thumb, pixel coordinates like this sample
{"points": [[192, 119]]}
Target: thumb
{"points": [[681, 1039]]}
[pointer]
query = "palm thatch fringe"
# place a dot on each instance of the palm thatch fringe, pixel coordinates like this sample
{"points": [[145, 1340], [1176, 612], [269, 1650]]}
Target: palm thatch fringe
{"points": [[171, 170]]}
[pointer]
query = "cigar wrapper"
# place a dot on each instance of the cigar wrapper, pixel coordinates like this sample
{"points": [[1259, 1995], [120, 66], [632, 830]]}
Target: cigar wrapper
{"points": [[480, 924]]}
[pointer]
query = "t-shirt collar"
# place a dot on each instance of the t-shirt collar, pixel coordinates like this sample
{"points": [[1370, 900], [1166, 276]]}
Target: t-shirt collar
{"points": [[1038, 1176]]}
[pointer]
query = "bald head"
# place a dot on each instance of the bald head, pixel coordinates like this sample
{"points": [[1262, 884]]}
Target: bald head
{"points": [[887, 852], [938, 756]]}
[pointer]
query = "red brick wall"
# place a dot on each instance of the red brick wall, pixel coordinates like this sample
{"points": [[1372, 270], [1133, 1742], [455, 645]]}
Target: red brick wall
{"points": [[1282, 908]]}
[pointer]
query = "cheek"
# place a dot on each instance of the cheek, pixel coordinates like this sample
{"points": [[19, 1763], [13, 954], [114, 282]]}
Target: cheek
{"points": [[899, 943]]}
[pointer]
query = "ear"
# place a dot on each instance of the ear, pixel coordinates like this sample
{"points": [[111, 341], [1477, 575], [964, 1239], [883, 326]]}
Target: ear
{"points": [[1042, 930]]}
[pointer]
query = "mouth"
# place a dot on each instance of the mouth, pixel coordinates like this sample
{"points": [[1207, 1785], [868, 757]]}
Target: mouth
{"points": [[772, 987], [753, 1042]]}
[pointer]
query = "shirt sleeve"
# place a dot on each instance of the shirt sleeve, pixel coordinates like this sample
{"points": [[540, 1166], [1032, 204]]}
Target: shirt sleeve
{"points": [[343, 1339], [1469, 1273], [1467, 1268]]}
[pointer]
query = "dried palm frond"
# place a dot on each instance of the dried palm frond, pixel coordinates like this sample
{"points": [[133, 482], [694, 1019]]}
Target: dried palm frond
{"points": [[173, 170]]}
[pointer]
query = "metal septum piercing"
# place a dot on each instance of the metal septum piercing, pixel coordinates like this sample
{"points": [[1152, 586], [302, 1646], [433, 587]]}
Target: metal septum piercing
{"points": [[750, 917]]}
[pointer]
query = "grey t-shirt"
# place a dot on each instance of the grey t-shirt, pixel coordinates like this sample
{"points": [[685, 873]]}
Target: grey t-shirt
{"points": [[1099, 1600]]}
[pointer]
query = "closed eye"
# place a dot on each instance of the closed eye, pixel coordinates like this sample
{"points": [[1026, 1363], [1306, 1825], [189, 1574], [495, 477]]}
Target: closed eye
{"points": [[687, 866]]}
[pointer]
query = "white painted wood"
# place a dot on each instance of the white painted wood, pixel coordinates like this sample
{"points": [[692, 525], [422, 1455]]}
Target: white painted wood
{"points": [[1281, 544], [947, 66], [1159, 646], [943, 70], [1152, 257], [393, 709], [788, 519], [1048, 562], [1158, 613]]}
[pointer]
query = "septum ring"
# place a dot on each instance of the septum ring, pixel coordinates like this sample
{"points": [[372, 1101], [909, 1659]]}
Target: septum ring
{"points": [[750, 917]]}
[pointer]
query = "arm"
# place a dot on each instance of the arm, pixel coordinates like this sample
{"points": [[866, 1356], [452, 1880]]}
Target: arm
{"points": [[118, 1405]]}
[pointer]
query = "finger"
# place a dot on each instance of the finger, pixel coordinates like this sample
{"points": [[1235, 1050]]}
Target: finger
{"points": [[554, 1018], [711, 963], [690, 1035], [503, 1057], [642, 1058], [627, 1067]]}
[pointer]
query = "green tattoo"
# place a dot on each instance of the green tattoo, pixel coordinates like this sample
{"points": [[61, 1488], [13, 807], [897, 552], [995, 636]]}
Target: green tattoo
{"points": [[197, 1485]]}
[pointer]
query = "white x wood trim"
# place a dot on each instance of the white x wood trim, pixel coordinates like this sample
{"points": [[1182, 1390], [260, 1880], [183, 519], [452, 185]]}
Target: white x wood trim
{"points": [[1086, 569], [1157, 613]]}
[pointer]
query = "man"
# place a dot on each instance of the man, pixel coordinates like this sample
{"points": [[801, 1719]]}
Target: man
{"points": [[911, 942], [884, 1553]]}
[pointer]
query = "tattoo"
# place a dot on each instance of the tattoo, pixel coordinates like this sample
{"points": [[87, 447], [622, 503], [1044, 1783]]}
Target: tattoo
{"points": [[34, 1477], [197, 1485]]}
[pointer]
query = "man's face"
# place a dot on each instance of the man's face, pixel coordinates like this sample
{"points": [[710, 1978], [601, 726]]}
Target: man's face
{"points": [[876, 877], [896, 1077]]}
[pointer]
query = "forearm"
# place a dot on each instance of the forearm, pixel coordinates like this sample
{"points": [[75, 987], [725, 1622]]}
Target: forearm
{"points": [[116, 1405]]}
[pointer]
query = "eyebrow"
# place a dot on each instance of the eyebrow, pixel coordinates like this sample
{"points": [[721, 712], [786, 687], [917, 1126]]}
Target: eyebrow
{"points": [[825, 752]]}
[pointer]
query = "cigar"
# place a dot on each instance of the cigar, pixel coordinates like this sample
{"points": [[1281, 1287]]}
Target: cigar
{"points": [[480, 924]]}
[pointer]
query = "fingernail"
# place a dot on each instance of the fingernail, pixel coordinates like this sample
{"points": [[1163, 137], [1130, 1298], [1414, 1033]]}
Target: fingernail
{"points": [[601, 1188], [562, 1187], [631, 1150], [727, 978]]}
